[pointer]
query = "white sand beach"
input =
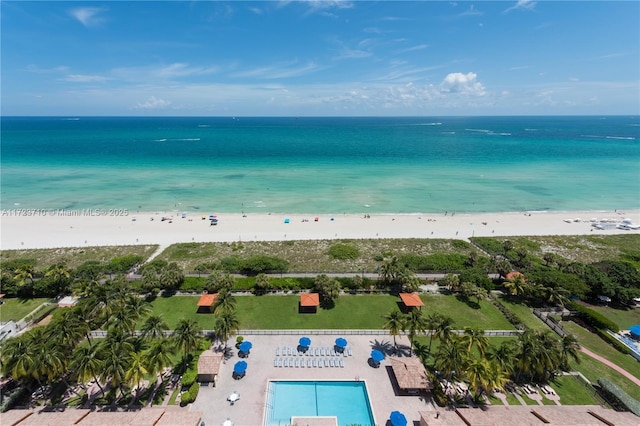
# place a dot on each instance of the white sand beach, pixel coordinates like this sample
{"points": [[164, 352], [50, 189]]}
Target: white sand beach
{"points": [[76, 229]]}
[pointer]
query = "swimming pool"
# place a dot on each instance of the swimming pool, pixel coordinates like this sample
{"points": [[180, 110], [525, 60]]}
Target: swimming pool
{"points": [[348, 401]]}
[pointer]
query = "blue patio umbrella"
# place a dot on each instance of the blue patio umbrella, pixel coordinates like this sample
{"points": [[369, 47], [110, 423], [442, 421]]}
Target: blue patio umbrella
{"points": [[305, 342], [341, 342], [240, 367], [635, 330], [398, 419], [376, 355], [245, 346]]}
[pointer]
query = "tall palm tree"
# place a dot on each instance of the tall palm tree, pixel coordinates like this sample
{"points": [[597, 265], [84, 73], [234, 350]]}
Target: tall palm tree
{"points": [[153, 327], [136, 371], [17, 357], [158, 356], [394, 323], [227, 325], [415, 323], [225, 301], [504, 356], [187, 335], [21, 275], [444, 329], [451, 357], [475, 336], [432, 320], [86, 364], [58, 272], [69, 329], [569, 351], [478, 374]]}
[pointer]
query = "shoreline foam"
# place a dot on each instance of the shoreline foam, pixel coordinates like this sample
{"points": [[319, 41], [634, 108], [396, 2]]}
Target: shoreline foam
{"points": [[30, 232]]}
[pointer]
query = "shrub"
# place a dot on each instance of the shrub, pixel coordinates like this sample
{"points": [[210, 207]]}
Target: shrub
{"points": [[342, 251], [593, 318], [440, 262], [263, 264], [122, 264], [189, 396], [620, 396], [613, 341]]}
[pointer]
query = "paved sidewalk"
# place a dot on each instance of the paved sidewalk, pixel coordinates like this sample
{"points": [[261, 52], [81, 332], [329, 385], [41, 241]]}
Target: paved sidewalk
{"points": [[608, 363]]}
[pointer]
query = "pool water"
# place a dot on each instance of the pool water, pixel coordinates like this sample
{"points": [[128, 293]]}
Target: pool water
{"points": [[348, 401]]}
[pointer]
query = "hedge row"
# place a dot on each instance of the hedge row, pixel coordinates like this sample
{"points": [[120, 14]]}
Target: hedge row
{"points": [[593, 318], [613, 341], [508, 314], [620, 396], [189, 396]]}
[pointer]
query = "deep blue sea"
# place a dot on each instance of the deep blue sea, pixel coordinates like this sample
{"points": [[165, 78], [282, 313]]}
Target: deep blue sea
{"points": [[322, 165]]}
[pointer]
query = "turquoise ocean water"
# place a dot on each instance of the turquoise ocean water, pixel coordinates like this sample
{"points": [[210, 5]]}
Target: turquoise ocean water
{"points": [[322, 165]]}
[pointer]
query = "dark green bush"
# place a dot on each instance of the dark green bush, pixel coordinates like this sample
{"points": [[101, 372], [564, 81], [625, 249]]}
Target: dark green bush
{"points": [[620, 396], [613, 341], [438, 262], [341, 251], [122, 264], [263, 265], [189, 396], [593, 318], [489, 244]]}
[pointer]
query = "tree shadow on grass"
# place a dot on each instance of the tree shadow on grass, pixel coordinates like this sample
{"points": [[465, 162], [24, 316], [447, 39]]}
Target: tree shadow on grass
{"points": [[470, 303]]}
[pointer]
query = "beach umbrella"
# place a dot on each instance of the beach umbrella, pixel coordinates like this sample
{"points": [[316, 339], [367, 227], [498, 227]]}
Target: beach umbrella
{"points": [[305, 342], [287, 220], [240, 367], [635, 330], [233, 397], [376, 355], [398, 419], [227, 422], [341, 342], [245, 346]]}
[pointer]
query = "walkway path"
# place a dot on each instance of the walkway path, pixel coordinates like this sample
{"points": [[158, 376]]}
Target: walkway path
{"points": [[608, 363]]}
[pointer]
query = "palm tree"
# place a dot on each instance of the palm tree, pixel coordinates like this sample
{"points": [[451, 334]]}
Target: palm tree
{"points": [[115, 365], [225, 301], [158, 356], [432, 320], [475, 336], [136, 370], [86, 364], [569, 351], [504, 356], [478, 374], [187, 335], [444, 329], [17, 356], [390, 270], [69, 329], [452, 357], [21, 275], [153, 327], [394, 323], [58, 272], [227, 325], [517, 285], [415, 323]]}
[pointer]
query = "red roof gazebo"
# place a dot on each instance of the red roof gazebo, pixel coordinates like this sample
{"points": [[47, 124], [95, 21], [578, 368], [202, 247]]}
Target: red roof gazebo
{"points": [[309, 302], [206, 302], [411, 300]]}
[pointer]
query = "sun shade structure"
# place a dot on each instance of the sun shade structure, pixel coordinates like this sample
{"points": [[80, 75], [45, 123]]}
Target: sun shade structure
{"points": [[309, 299], [245, 346], [411, 299], [410, 374], [305, 342], [240, 367], [635, 331], [209, 366], [513, 275], [376, 355], [341, 342], [397, 419], [206, 302]]}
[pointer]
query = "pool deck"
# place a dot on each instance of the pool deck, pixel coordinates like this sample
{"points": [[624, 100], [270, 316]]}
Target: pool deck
{"points": [[249, 409]]}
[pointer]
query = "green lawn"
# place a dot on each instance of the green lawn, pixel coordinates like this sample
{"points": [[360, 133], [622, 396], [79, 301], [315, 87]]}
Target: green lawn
{"points": [[15, 309], [572, 392], [625, 318], [495, 401], [488, 317], [594, 370], [595, 344], [349, 312], [528, 400], [511, 399], [525, 313]]}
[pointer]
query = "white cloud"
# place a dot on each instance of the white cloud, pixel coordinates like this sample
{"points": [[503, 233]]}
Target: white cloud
{"points": [[82, 78], [153, 103], [286, 70], [472, 11], [413, 48], [465, 84], [88, 16], [522, 5]]}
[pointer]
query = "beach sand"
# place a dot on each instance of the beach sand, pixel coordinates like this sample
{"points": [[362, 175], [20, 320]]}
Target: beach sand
{"points": [[75, 229]]}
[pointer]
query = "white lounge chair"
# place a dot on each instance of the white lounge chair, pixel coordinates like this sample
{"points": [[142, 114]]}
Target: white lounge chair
{"points": [[322, 351], [319, 362], [275, 362], [309, 363], [350, 353], [278, 351], [342, 363], [326, 362], [331, 363], [297, 362], [315, 362]]}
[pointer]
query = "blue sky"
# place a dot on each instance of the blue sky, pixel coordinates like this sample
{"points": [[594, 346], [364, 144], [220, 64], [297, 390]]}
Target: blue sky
{"points": [[195, 58]]}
